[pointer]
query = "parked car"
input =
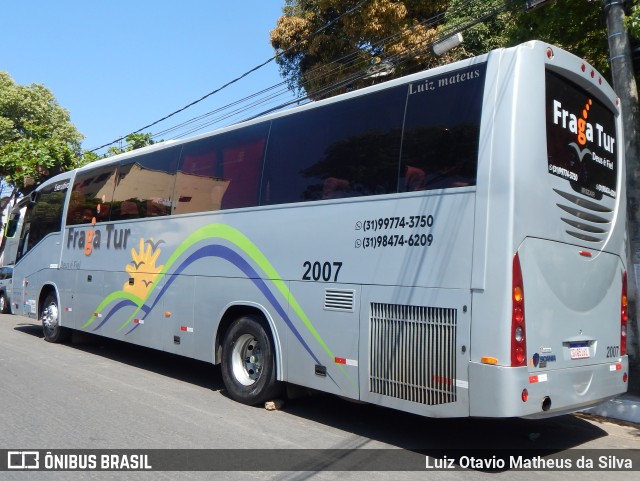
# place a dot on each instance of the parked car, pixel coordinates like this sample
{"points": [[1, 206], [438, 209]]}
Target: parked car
{"points": [[6, 282]]}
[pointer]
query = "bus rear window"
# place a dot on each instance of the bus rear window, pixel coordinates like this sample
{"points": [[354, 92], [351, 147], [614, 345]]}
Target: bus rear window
{"points": [[582, 146]]}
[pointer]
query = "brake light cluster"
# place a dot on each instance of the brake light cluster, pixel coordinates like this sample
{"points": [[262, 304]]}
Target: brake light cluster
{"points": [[518, 337], [624, 316]]}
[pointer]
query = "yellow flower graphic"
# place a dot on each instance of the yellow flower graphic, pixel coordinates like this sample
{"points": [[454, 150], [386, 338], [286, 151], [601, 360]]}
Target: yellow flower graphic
{"points": [[143, 269]]}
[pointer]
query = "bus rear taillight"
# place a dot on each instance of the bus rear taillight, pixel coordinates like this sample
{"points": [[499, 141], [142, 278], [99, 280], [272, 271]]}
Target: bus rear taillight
{"points": [[624, 316], [518, 338]]}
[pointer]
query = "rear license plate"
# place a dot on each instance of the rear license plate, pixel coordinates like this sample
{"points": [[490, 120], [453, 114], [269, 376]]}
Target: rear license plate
{"points": [[579, 351]]}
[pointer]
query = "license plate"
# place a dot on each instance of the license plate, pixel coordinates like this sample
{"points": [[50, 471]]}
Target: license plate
{"points": [[579, 351]]}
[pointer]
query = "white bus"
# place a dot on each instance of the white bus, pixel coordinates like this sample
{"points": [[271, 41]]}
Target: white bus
{"points": [[451, 243]]}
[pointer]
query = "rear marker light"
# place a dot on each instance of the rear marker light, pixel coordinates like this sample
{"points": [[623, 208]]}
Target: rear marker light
{"points": [[549, 53], [585, 253], [625, 378], [525, 395]]}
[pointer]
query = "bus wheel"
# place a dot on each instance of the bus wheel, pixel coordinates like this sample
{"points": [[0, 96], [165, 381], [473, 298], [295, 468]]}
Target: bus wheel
{"points": [[49, 315], [248, 362], [4, 305]]}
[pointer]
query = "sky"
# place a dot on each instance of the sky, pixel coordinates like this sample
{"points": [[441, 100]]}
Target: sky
{"points": [[118, 66]]}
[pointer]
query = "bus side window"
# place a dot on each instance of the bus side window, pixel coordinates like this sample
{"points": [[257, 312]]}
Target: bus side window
{"points": [[91, 196], [242, 155], [144, 185], [221, 172], [344, 149], [442, 132]]}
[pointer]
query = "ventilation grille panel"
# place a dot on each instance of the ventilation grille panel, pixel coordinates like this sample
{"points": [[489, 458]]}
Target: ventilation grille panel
{"points": [[412, 353], [339, 299], [588, 220]]}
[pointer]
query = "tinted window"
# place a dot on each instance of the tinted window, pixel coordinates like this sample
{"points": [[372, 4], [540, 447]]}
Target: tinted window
{"points": [[581, 138], [44, 216], [12, 225], [221, 172], [344, 149], [144, 185], [442, 129], [91, 196]]}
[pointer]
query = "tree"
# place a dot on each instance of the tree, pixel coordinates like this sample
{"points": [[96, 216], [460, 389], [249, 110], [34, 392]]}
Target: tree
{"points": [[479, 36], [335, 42], [577, 26], [326, 47], [134, 141], [37, 138]]}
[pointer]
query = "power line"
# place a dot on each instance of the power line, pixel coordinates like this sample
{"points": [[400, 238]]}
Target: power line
{"points": [[324, 27], [345, 62], [340, 63]]}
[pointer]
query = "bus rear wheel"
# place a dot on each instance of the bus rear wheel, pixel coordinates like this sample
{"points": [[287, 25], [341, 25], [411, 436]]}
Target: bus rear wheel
{"points": [[4, 304], [50, 317], [248, 362]]}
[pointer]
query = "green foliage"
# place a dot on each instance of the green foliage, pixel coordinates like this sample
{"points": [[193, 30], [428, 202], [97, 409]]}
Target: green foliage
{"points": [[333, 42], [349, 45], [578, 26], [633, 20], [488, 34], [37, 138], [134, 141]]}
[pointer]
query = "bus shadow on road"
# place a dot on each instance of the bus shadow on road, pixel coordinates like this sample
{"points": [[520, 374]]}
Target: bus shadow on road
{"points": [[444, 441], [453, 443], [195, 372]]}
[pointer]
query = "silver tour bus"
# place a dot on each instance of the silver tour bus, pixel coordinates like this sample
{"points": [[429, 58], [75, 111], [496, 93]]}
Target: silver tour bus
{"points": [[451, 243]]}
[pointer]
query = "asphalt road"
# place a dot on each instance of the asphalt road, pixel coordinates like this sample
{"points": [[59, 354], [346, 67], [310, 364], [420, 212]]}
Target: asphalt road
{"points": [[99, 394]]}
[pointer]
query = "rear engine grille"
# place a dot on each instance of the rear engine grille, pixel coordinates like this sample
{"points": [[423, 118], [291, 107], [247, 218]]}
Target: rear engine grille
{"points": [[412, 353]]}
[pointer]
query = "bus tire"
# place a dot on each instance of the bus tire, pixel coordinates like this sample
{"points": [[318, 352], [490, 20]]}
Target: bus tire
{"points": [[248, 362], [49, 316], [4, 304]]}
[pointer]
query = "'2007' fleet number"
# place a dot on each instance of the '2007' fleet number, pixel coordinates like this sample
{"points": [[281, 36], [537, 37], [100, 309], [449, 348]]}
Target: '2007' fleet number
{"points": [[321, 271]]}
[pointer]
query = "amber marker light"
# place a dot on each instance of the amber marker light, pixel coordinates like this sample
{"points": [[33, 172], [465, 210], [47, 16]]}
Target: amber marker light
{"points": [[489, 360]]}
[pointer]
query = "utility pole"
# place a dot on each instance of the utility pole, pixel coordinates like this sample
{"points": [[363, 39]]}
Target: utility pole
{"points": [[624, 84]]}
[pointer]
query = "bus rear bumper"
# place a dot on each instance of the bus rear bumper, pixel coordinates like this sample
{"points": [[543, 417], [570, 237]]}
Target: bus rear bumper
{"points": [[497, 391]]}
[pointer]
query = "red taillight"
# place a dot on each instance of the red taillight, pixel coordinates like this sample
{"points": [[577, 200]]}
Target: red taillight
{"points": [[518, 338], [624, 316]]}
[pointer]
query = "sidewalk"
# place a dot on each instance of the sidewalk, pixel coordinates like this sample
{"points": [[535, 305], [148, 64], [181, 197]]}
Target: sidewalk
{"points": [[625, 407]]}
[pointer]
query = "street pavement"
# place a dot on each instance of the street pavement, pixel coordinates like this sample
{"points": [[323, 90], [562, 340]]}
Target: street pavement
{"points": [[625, 408]]}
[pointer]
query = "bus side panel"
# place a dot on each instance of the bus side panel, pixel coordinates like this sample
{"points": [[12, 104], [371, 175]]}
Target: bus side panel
{"points": [[327, 356], [416, 342], [178, 306]]}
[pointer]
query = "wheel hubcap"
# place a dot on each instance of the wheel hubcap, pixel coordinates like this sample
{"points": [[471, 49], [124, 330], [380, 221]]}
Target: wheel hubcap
{"points": [[50, 317], [247, 360]]}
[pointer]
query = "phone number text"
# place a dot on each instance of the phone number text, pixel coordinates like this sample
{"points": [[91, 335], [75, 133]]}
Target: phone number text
{"points": [[414, 240], [386, 223]]}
